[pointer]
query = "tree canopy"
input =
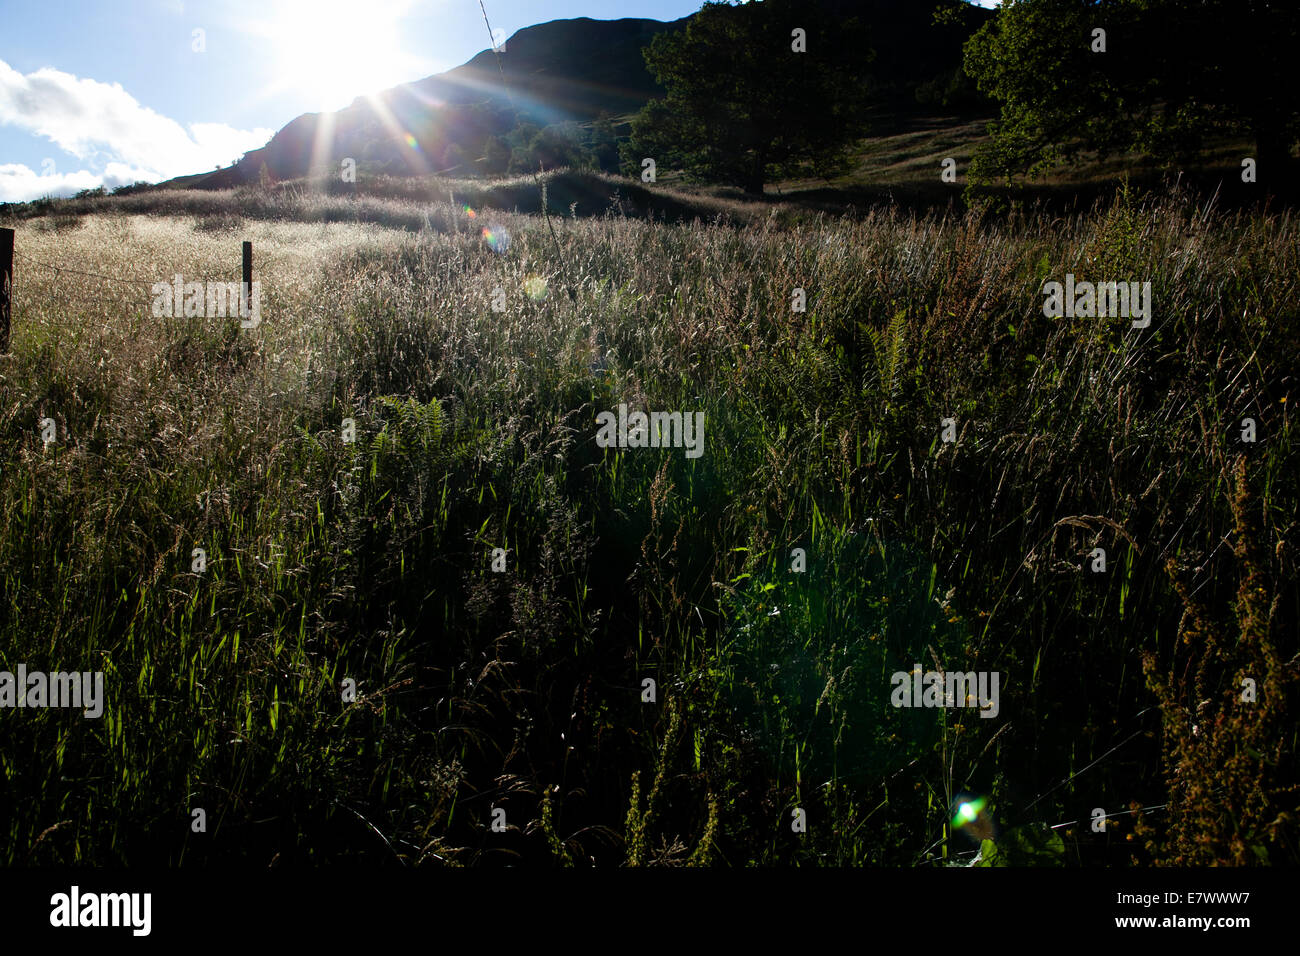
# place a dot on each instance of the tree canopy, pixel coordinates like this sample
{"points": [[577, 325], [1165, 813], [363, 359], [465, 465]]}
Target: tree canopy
{"points": [[742, 105], [1172, 73]]}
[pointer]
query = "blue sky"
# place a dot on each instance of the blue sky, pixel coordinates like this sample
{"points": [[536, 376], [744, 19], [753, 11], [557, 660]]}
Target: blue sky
{"points": [[105, 92]]}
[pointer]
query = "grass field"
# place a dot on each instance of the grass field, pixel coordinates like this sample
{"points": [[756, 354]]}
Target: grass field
{"points": [[522, 690]]}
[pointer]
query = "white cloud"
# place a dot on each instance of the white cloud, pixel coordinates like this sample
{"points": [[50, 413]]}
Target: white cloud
{"points": [[106, 127], [20, 183]]}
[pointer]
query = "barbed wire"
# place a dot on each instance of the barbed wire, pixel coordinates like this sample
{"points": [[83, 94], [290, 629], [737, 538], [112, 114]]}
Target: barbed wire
{"points": [[107, 278], [1118, 813], [87, 301], [1075, 774], [67, 269], [98, 298], [99, 301]]}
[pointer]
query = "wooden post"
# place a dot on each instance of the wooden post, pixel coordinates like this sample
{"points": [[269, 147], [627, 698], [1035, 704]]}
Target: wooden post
{"points": [[247, 290], [6, 286]]}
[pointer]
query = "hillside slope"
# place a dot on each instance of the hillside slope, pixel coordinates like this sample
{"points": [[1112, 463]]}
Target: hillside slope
{"points": [[567, 71], [564, 70]]}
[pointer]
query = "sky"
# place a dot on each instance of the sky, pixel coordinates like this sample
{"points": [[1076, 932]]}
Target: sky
{"points": [[108, 92]]}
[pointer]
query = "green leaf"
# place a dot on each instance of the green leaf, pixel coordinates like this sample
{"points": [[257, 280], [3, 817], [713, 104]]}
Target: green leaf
{"points": [[1030, 845]]}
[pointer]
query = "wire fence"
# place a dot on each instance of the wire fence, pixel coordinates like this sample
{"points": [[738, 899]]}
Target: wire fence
{"points": [[131, 280], [133, 289], [128, 289]]}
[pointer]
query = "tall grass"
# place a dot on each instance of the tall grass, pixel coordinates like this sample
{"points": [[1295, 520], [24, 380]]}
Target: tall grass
{"points": [[523, 690]]}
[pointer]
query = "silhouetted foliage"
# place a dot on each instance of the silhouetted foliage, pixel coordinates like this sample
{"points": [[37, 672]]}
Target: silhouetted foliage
{"points": [[770, 112], [1173, 72]]}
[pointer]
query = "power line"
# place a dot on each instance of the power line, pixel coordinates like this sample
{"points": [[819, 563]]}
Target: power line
{"points": [[514, 108]]}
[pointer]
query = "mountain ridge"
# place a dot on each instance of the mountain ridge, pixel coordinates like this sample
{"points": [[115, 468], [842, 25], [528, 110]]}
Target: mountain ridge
{"points": [[560, 71], [569, 70]]}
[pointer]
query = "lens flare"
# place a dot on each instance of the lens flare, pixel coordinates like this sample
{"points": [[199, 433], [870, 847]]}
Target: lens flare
{"points": [[470, 212], [535, 288], [411, 142], [497, 238], [970, 816]]}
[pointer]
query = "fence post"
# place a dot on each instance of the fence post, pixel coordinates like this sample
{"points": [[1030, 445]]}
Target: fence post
{"points": [[247, 290], [6, 285]]}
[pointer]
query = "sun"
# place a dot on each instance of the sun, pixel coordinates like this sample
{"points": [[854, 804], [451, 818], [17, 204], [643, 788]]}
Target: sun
{"points": [[337, 50]]}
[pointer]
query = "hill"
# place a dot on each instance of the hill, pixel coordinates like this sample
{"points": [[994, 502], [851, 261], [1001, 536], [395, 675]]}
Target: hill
{"points": [[556, 72], [571, 72]]}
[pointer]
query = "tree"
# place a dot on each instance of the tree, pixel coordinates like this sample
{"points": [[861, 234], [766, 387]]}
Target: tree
{"points": [[603, 143], [560, 145], [453, 158], [1173, 72], [521, 134], [126, 190], [742, 106], [496, 155]]}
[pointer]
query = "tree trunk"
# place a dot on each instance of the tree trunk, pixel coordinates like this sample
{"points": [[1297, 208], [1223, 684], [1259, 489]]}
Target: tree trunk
{"points": [[753, 184]]}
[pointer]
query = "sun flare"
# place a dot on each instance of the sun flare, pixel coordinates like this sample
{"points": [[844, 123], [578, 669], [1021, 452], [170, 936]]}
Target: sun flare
{"points": [[338, 50]]}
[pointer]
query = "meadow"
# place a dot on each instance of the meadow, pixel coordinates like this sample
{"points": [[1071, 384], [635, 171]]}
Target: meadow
{"points": [[370, 562]]}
